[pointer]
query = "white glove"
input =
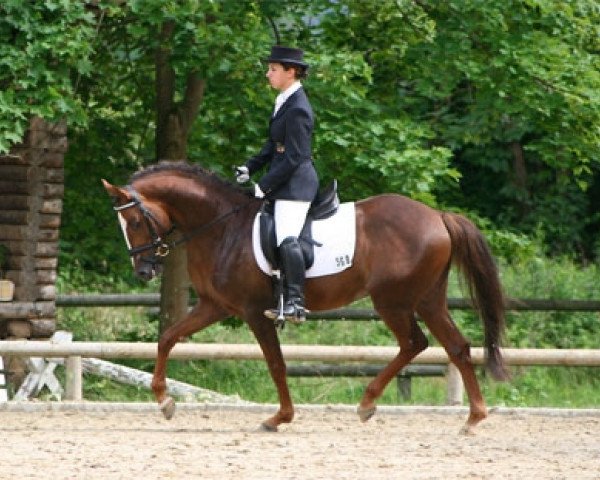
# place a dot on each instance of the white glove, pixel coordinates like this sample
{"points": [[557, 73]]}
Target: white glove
{"points": [[258, 193], [242, 175]]}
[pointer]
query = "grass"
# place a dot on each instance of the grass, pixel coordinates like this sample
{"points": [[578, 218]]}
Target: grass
{"points": [[531, 386]]}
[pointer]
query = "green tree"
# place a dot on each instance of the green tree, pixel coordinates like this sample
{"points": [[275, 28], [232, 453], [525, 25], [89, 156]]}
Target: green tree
{"points": [[513, 88], [45, 50]]}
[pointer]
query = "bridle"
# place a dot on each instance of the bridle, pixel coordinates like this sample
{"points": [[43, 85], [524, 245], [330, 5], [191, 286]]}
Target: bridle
{"points": [[160, 247]]}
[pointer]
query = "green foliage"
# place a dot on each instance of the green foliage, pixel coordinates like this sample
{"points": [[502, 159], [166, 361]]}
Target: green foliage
{"points": [[566, 387], [91, 238], [519, 105], [508, 245], [557, 279], [46, 48], [544, 279], [375, 149]]}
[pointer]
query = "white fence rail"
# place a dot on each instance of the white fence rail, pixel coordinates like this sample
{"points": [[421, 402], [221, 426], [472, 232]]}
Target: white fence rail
{"points": [[73, 352], [326, 353]]}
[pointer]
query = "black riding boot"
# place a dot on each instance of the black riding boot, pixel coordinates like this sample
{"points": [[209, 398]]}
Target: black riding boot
{"points": [[293, 269]]}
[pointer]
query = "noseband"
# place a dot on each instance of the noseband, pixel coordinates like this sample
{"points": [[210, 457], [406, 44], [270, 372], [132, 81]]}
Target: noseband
{"points": [[161, 248]]}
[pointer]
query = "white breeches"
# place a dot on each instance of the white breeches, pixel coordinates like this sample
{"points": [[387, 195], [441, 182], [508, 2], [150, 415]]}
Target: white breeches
{"points": [[290, 216]]}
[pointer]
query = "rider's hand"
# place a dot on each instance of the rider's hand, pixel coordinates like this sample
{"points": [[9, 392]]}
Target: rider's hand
{"points": [[258, 193], [242, 175]]}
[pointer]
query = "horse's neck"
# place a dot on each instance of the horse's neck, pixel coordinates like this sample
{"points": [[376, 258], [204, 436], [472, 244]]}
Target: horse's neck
{"points": [[191, 205]]}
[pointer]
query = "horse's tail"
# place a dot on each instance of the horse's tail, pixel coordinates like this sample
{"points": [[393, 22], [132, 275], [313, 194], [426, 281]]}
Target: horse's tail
{"points": [[471, 254]]}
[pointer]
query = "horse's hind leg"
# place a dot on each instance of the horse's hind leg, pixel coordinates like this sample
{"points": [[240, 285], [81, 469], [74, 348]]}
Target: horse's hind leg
{"points": [[443, 328], [411, 340]]}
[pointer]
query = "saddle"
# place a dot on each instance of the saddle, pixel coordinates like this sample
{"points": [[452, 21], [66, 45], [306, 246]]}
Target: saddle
{"points": [[323, 206]]}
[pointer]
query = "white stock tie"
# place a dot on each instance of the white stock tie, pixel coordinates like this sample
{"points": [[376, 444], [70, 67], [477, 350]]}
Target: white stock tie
{"points": [[278, 103]]}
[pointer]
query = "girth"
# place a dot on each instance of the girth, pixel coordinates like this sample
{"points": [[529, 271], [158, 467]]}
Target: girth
{"points": [[324, 206]]}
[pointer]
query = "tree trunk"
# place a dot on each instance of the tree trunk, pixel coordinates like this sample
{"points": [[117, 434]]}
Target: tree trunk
{"points": [[520, 176], [174, 288], [173, 123]]}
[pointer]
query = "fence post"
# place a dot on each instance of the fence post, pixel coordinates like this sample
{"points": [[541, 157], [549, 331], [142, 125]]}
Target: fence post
{"points": [[3, 386], [404, 385], [454, 395], [73, 385]]}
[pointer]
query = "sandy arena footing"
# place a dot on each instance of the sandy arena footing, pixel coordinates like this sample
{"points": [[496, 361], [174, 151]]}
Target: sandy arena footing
{"points": [[93, 440]]}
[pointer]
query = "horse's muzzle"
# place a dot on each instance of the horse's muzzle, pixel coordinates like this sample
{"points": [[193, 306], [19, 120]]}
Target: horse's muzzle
{"points": [[146, 271]]}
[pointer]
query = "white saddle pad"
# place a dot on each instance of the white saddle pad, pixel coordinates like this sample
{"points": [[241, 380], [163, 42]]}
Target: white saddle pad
{"points": [[337, 234]]}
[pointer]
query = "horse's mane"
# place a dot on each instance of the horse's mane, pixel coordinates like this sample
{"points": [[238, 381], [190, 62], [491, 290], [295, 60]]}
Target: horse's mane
{"points": [[188, 170]]}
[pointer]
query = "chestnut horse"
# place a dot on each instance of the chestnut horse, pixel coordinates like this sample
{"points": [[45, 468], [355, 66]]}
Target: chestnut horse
{"points": [[403, 254]]}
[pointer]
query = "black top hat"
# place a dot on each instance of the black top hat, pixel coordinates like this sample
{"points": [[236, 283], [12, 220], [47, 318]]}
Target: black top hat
{"points": [[293, 56]]}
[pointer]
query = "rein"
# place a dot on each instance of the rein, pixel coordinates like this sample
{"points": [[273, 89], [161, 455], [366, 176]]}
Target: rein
{"points": [[202, 228], [162, 248]]}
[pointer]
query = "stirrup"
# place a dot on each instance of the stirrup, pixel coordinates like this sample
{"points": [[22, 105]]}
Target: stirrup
{"points": [[276, 314], [298, 316], [291, 312]]}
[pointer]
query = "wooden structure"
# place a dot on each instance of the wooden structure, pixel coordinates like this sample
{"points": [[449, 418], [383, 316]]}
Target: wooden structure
{"points": [[41, 373], [73, 352], [31, 192]]}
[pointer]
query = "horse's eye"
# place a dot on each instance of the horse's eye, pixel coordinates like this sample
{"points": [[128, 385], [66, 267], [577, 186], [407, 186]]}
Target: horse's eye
{"points": [[135, 224]]}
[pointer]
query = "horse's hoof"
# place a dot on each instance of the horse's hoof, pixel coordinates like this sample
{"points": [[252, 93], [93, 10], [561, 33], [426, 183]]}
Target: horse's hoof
{"points": [[467, 430], [167, 407], [266, 427], [366, 413]]}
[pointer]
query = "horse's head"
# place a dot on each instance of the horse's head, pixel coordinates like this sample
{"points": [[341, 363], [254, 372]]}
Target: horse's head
{"points": [[144, 223]]}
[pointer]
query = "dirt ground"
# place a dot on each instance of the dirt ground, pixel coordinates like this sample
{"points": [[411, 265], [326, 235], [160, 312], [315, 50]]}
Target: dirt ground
{"points": [[222, 442]]}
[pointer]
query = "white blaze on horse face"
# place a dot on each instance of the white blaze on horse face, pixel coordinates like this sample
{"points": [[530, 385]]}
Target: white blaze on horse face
{"points": [[123, 224]]}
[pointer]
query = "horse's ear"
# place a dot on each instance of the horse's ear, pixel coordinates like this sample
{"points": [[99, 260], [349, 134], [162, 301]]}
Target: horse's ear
{"points": [[114, 192]]}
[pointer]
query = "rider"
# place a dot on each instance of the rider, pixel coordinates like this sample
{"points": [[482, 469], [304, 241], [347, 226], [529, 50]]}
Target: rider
{"points": [[291, 180]]}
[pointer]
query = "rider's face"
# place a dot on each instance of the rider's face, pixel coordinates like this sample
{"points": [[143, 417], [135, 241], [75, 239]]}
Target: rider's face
{"points": [[279, 78]]}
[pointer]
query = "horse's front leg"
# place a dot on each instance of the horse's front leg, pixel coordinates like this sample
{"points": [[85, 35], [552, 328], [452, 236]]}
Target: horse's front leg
{"points": [[266, 334], [201, 316]]}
